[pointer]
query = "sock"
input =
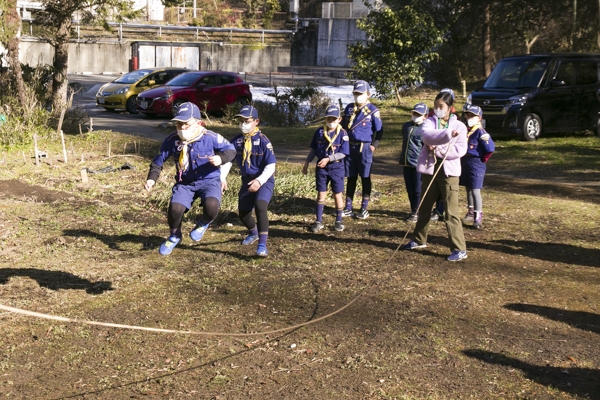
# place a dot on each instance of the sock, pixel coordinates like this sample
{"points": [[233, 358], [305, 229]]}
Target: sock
{"points": [[254, 231], [365, 202], [320, 208], [262, 238], [338, 215], [348, 203]]}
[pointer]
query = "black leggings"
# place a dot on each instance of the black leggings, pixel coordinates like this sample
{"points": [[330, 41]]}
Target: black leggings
{"points": [[261, 214], [210, 210], [351, 186]]}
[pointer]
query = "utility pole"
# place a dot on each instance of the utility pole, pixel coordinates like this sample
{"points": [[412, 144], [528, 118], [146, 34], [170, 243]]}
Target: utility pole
{"points": [[574, 25], [194, 9]]}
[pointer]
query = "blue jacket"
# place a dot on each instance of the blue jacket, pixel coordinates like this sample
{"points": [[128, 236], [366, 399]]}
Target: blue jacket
{"points": [[412, 143], [364, 124], [478, 147]]}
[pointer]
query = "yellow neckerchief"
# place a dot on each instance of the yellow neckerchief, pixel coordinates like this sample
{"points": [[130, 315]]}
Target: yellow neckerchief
{"points": [[248, 146], [473, 129], [184, 161], [329, 139], [354, 113]]}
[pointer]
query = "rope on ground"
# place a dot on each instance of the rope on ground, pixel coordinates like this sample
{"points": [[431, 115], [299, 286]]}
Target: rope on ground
{"points": [[227, 334]]}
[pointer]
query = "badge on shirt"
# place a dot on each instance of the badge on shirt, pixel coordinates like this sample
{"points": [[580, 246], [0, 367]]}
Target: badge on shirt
{"points": [[270, 147], [345, 138], [256, 142]]}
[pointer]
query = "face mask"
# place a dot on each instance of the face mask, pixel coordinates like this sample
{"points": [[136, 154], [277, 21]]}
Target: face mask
{"points": [[418, 120], [246, 127], [472, 121], [439, 113], [361, 98], [187, 134], [332, 125]]}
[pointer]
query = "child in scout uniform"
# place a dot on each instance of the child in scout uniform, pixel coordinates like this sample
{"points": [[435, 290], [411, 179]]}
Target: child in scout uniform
{"points": [[330, 145], [445, 142], [362, 121], [198, 153], [256, 160], [412, 143], [480, 149]]}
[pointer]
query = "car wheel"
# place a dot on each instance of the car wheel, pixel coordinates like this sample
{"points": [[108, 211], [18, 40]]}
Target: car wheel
{"points": [[532, 127], [176, 106], [131, 106], [150, 115]]}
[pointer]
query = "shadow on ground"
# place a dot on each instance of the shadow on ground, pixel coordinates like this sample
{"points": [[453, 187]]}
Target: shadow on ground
{"points": [[579, 319], [55, 280]]}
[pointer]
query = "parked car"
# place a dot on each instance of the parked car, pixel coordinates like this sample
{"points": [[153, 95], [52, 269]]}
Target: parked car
{"points": [[209, 90], [123, 91], [530, 94]]}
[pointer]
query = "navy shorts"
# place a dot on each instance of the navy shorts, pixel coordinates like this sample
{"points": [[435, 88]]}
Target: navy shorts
{"points": [[246, 199], [359, 162], [186, 193], [473, 172], [334, 173]]}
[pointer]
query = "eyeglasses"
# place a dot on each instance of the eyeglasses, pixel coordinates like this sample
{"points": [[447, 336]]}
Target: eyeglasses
{"points": [[184, 125]]}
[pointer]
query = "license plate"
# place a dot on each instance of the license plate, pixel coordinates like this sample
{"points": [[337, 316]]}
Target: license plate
{"points": [[144, 104], [100, 100]]}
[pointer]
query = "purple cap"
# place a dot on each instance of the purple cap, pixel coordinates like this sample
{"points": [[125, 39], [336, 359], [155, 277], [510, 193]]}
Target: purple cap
{"points": [[473, 109], [361, 87], [420, 108], [332, 111], [248, 111], [186, 112], [448, 90]]}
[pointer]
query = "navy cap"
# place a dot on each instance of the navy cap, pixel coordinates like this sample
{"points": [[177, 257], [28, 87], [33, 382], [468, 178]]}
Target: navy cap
{"points": [[361, 87], [332, 111], [186, 112], [248, 111], [420, 108], [448, 90], [473, 109]]}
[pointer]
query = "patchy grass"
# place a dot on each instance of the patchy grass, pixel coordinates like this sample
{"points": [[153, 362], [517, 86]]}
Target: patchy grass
{"points": [[518, 319]]}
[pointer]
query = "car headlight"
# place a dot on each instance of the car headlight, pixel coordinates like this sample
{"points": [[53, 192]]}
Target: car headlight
{"points": [[164, 97], [99, 93], [122, 90], [517, 100]]}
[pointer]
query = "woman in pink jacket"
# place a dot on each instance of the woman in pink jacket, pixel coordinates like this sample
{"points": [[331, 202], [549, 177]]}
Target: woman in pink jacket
{"points": [[445, 142]]}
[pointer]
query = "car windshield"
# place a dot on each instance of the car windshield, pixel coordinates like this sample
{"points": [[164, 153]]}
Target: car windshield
{"points": [[133, 77], [513, 74], [184, 79]]}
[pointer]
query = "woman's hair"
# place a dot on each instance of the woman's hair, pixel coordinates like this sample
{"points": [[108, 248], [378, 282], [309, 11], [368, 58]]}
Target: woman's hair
{"points": [[446, 97]]}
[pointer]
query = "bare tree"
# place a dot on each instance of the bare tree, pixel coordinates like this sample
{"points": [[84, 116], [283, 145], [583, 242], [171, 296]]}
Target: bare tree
{"points": [[10, 38]]}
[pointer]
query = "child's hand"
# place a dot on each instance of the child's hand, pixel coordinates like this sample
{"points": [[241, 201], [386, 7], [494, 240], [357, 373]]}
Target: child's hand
{"points": [[305, 168], [149, 185], [323, 162], [215, 160], [485, 137], [253, 186], [455, 133], [223, 186]]}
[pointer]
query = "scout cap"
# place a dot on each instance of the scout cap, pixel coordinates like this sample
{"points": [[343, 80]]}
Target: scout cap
{"points": [[361, 87], [248, 111], [332, 111], [420, 108], [186, 112], [473, 109]]}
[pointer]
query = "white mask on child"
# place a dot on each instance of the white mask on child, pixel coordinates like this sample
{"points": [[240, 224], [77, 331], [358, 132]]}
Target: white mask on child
{"points": [[361, 99], [472, 121], [418, 120], [246, 127], [332, 125], [187, 134], [439, 113]]}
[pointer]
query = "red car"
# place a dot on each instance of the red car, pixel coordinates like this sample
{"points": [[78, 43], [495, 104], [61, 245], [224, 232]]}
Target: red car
{"points": [[212, 90]]}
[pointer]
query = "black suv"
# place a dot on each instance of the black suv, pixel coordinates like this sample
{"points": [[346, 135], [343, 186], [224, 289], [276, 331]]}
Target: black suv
{"points": [[534, 93]]}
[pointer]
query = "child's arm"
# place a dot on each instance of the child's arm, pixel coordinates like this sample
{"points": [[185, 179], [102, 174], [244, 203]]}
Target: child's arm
{"points": [[309, 159]]}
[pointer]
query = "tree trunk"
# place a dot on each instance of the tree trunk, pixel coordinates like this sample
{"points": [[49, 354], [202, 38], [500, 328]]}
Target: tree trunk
{"points": [[599, 24], [14, 19], [61, 64], [529, 44], [487, 41]]}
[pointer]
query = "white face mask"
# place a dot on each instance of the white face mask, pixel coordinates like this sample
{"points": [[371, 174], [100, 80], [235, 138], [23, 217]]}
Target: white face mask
{"points": [[332, 125], [361, 99], [246, 127], [472, 121], [418, 120], [439, 113], [187, 134]]}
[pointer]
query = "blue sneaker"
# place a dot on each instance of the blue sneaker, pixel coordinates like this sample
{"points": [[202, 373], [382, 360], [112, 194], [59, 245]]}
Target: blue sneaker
{"points": [[457, 255], [197, 233], [167, 247], [412, 245], [261, 250], [250, 239]]}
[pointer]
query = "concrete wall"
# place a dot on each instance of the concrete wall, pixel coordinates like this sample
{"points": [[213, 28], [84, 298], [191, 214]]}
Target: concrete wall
{"points": [[334, 37], [98, 58]]}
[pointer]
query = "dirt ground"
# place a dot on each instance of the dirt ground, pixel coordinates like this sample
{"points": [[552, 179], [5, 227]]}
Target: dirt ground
{"points": [[519, 319]]}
